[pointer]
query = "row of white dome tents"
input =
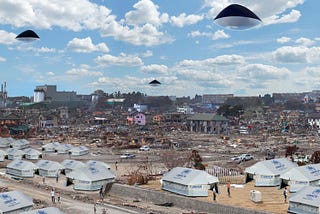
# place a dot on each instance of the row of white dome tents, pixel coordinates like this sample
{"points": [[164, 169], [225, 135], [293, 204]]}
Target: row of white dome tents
{"points": [[267, 173], [283, 172], [61, 148], [17, 144], [301, 176], [12, 154]]}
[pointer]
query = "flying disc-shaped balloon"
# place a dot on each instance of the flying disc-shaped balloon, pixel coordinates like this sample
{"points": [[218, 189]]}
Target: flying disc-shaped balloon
{"points": [[27, 35], [154, 83], [237, 17]]}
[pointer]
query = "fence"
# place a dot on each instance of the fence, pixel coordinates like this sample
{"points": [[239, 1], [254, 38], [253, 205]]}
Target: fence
{"points": [[226, 174]]}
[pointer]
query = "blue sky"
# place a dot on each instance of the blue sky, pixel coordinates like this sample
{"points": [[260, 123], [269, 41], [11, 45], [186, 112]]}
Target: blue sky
{"points": [[121, 45]]}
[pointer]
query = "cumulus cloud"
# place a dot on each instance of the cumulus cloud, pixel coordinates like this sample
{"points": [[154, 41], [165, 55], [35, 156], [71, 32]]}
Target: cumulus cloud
{"points": [[262, 72], [2, 59], [86, 46], [220, 34], [211, 62], [283, 40], [145, 12], [305, 41], [301, 54], [83, 70], [154, 68], [122, 60], [183, 20], [7, 38]]}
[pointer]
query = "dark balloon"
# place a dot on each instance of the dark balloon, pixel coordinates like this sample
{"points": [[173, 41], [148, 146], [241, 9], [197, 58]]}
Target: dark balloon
{"points": [[154, 83], [27, 35], [237, 17]]}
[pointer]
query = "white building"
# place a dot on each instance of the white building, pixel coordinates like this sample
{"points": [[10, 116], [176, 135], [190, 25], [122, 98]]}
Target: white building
{"points": [[267, 173], [188, 182]]}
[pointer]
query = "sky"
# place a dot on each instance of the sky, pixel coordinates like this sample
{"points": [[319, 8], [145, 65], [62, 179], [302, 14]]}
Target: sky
{"points": [[122, 45]]}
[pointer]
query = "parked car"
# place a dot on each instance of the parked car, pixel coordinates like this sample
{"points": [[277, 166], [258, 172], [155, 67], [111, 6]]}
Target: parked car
{"points": [[127, 156], [144, 148], [246, 157], [236, 159]]}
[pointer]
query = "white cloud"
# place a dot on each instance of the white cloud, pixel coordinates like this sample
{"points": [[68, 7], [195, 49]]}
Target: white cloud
{"points": [[220, 34], [148, 53], [154, 68], [145, 12], [7, 38], [183, 19], [293, 16], [86, 46], [305, 41], [83, 70], [301, 54], [262, 72], [2, 59], [122, 60], [283, 40]]}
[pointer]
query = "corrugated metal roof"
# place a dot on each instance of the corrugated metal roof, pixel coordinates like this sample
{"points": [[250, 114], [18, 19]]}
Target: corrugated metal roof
{"points": [[188, 176]]}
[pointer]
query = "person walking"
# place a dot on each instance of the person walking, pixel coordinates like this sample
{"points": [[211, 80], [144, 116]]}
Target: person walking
{"points": [[228, 188], [95, 208], [101, 193], [214, 194], [53, 198], [285, 194], [57, 178], [58, 197]]}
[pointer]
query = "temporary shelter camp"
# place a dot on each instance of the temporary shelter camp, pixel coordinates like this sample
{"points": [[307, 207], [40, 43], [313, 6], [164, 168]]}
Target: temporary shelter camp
{"points": [[79, 150], [49, 168], [50, 147], [20, 144], [14, 202], [90, 177], [267, 173], [14, 154], [298, 177], [47, 210], [32, 154], [70, 165], [188, 182], [306, 200], [20, 168], [3, 155], [97, 163], [63, 148]]}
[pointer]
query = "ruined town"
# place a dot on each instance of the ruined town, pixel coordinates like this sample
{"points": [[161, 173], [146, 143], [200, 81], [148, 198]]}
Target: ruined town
{"points": [[131, 153]]}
